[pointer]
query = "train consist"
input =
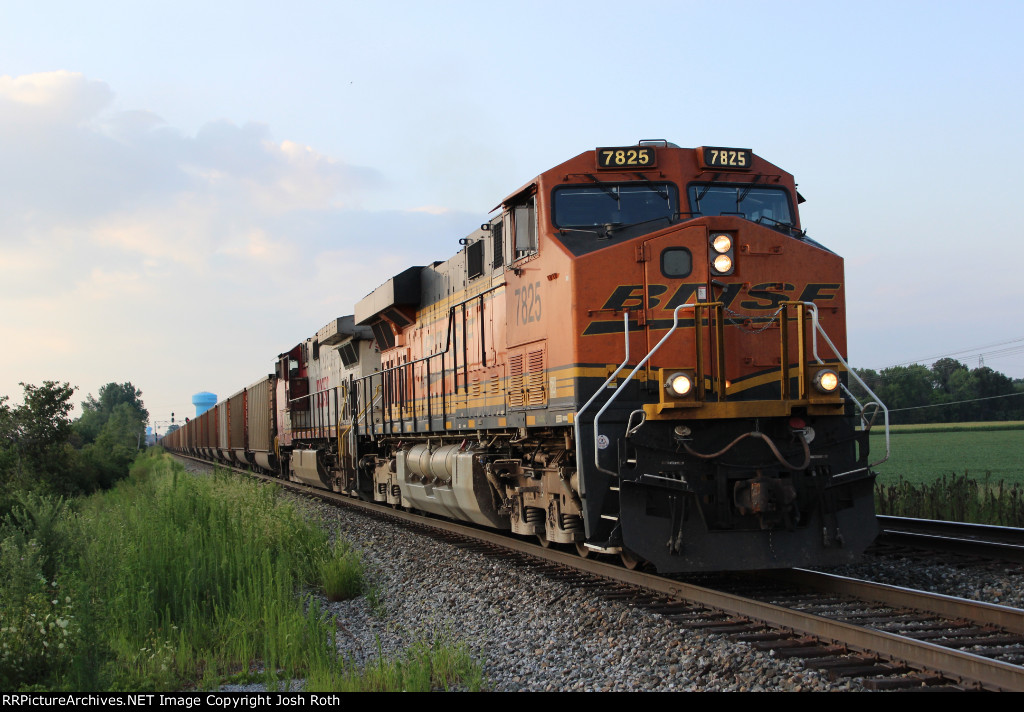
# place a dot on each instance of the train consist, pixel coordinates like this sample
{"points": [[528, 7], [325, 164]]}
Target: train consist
{"points": [[641, 354]]}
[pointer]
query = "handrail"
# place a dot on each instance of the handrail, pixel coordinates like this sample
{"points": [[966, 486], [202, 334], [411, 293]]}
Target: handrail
{"points": [[319, 414], [815, 331], [576, 417], [814, 349], [408, 369], [597, 418]]}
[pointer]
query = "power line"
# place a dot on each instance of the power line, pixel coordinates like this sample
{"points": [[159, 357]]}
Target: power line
{"points": [[969, 400], [1000, 352]]}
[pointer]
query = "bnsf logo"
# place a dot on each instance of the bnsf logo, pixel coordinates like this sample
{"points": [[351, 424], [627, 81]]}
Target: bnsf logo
{"points": [[759, 297], [766, 297]]}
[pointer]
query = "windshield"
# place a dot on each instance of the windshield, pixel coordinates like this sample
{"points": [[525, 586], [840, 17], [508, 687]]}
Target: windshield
{"points": [[588, 206], [769, 205]]}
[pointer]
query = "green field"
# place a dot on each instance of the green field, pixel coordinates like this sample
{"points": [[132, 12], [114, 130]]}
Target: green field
{"points": [[922, 453]]}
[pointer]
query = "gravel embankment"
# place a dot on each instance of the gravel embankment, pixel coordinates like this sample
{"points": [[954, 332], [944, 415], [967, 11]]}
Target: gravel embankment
{"points": [[532, 633]]}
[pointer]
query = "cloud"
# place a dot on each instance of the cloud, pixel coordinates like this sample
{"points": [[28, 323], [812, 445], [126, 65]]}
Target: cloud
{"points": [[66, 98], [128, 248], [430, 209]]}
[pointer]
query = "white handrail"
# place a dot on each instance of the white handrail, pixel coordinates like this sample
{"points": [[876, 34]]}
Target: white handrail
{"points": [[597, 418], [576, 417], [814, 348]]}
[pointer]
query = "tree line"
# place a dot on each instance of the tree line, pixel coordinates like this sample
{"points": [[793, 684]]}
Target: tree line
{"points": [[948, 392], [43, 450]]}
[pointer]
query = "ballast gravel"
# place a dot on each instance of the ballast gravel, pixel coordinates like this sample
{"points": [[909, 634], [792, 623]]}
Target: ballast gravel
{"points": [[529, 632], [532, 633]]}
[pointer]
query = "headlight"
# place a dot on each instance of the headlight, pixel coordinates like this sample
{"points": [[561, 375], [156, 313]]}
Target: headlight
{"points": [[679, 384], [723, 263], [722, 243], [826, 381]]}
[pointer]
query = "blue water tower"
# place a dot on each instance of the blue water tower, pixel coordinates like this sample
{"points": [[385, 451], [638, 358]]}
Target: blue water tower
{"points": [[203, 402]]}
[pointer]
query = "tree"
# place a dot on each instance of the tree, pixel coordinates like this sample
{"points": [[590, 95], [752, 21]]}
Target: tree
{"points": [[944, 369], [907, 387], [870, 378], [34, 448], [108, 458], [96, 412]]}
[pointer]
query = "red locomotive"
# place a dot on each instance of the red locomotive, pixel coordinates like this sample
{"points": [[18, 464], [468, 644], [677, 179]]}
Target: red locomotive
{"points": [[643, 354]]}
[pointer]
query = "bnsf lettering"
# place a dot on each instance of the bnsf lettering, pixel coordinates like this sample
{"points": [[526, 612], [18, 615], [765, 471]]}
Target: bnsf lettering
{"points": [[770, 299], [814, 292], [321, 385], [631, 296], [760, 297], [654, 293], [631, 293]]}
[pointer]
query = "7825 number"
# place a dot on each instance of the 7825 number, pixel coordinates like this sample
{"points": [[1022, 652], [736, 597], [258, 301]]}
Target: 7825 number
{"points": [[624, 157], [527, 304]]}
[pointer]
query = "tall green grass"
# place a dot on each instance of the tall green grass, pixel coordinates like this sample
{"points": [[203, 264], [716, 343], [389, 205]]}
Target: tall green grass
{"points": [[170, 581], [203, 576], [954, 498]]}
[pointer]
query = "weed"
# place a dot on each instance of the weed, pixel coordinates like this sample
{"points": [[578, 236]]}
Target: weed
{"points": [[342, 573], [954, 498]]}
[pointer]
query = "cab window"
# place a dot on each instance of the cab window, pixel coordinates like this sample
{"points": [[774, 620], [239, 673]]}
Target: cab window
{"points": [[758, 204]]}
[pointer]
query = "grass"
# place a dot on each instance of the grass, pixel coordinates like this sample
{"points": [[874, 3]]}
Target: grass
{"points": [[954, 498], [425, 666], [922, 454], [171, 581], [953, 471], [341, 573]]}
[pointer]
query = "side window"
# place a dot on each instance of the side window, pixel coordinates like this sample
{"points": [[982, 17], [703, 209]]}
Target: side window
{"points": [[475, 259], [525, 224], [496, 233]]}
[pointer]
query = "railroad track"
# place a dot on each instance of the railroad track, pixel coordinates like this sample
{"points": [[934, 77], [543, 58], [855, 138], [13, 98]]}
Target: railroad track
{"points": [[893, 637], [979, 541]]}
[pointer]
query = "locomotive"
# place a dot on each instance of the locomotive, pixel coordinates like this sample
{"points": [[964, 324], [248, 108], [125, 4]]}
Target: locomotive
{"points": [[640, 354]]}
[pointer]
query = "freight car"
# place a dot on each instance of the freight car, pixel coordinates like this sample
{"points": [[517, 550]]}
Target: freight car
{"points": [[641, 354]]}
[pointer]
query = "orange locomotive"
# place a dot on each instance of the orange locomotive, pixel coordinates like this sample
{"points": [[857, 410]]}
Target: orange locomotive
{"points": [[642, 355]]}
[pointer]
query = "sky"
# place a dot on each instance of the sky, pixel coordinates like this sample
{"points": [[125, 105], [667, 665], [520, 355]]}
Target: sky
{"points": [[187, 189]]}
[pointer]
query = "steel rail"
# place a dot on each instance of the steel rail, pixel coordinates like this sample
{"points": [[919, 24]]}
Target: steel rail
{"points": [[984, 532], [965, 538], [965, 667], [953, 607]]}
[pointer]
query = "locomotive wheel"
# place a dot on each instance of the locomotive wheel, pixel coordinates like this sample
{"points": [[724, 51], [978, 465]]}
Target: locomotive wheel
{"points": [[630, 560], [543, 541], [583, 551]]}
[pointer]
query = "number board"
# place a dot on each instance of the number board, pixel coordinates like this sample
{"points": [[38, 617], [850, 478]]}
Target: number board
{"points": [[627, 157], [740, 159]]}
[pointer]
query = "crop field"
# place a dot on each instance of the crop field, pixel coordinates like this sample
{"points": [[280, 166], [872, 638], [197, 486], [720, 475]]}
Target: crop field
{"points": [[923, 453]]}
